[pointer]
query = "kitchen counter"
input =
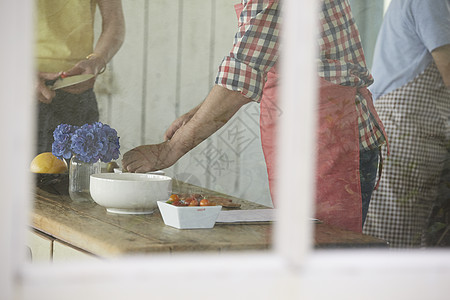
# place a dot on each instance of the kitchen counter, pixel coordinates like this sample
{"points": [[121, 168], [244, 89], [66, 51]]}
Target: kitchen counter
{"points": [[89, 228]]}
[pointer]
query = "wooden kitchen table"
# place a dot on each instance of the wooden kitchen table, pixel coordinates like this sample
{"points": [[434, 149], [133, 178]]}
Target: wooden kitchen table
{"points": [[88, 227]]}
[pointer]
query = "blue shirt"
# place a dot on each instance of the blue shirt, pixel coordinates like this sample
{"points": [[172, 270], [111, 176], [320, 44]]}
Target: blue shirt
{"points": [[411, 30]]}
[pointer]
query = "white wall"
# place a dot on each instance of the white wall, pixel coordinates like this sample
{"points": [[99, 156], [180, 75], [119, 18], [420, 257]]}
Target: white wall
{"points": [[166, 66], [368, 15]]}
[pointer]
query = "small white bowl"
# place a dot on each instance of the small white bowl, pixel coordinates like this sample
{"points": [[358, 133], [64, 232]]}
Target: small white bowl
{"points": [[129, 193], [189, 217]]}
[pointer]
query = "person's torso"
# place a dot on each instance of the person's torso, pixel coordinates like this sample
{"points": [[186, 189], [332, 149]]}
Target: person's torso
{"points": [[410, 31], [64, 33]]}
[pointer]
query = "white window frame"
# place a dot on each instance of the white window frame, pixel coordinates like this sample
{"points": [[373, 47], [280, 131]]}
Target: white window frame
{"points": [[291, 271]]}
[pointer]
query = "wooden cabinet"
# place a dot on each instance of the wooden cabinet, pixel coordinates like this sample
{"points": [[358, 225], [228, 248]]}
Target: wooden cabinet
{"points": [[40, 245], [46, 249], [63, 252]]}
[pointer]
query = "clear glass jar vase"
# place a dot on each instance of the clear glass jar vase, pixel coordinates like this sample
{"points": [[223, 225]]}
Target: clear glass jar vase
{"points": [[79, 178]]}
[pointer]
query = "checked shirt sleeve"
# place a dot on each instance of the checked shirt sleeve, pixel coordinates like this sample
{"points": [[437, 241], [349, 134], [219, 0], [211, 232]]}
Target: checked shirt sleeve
{"points": [[255, 49]]}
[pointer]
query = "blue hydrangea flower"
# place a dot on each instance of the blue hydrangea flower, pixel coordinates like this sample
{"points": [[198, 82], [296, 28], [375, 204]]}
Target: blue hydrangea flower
{"points": [[62, 140], [86, 145], [89, 143], [110, 141]]}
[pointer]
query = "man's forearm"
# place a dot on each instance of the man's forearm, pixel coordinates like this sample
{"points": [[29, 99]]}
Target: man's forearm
{"points": [[217, 109]]}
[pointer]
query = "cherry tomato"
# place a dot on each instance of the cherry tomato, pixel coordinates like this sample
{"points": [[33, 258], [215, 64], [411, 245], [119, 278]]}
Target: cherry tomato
{"points": [[194, 202], [204, 202], [177, 203], [174, 197], [188, 201]]}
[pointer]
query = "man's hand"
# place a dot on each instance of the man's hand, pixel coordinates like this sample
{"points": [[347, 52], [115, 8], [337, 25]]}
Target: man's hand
{"points": [[177, 124], [180, 122], [87, 66], [43, 92], [149, 158]]}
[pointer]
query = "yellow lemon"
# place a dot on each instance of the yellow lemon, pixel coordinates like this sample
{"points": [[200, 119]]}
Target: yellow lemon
{"points": [[48, 163]]}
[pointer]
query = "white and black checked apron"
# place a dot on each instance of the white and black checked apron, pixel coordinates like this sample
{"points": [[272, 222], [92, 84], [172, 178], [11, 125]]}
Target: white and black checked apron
{"points": [[416, 119]]}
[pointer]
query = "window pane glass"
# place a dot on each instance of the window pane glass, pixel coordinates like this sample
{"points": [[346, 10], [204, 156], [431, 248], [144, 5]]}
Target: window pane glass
{"points": [[167, 65]]}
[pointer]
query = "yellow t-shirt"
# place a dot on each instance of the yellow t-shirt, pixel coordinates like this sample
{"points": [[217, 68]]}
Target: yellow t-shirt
{"points": [[64, 33]]}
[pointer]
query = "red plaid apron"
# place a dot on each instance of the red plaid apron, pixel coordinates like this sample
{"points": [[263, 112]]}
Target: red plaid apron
{"points": [[338, 188]]}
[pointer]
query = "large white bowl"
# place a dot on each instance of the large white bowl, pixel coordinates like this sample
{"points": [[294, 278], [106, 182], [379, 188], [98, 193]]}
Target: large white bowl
{"points": [[159, 172], [130, 193]]}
